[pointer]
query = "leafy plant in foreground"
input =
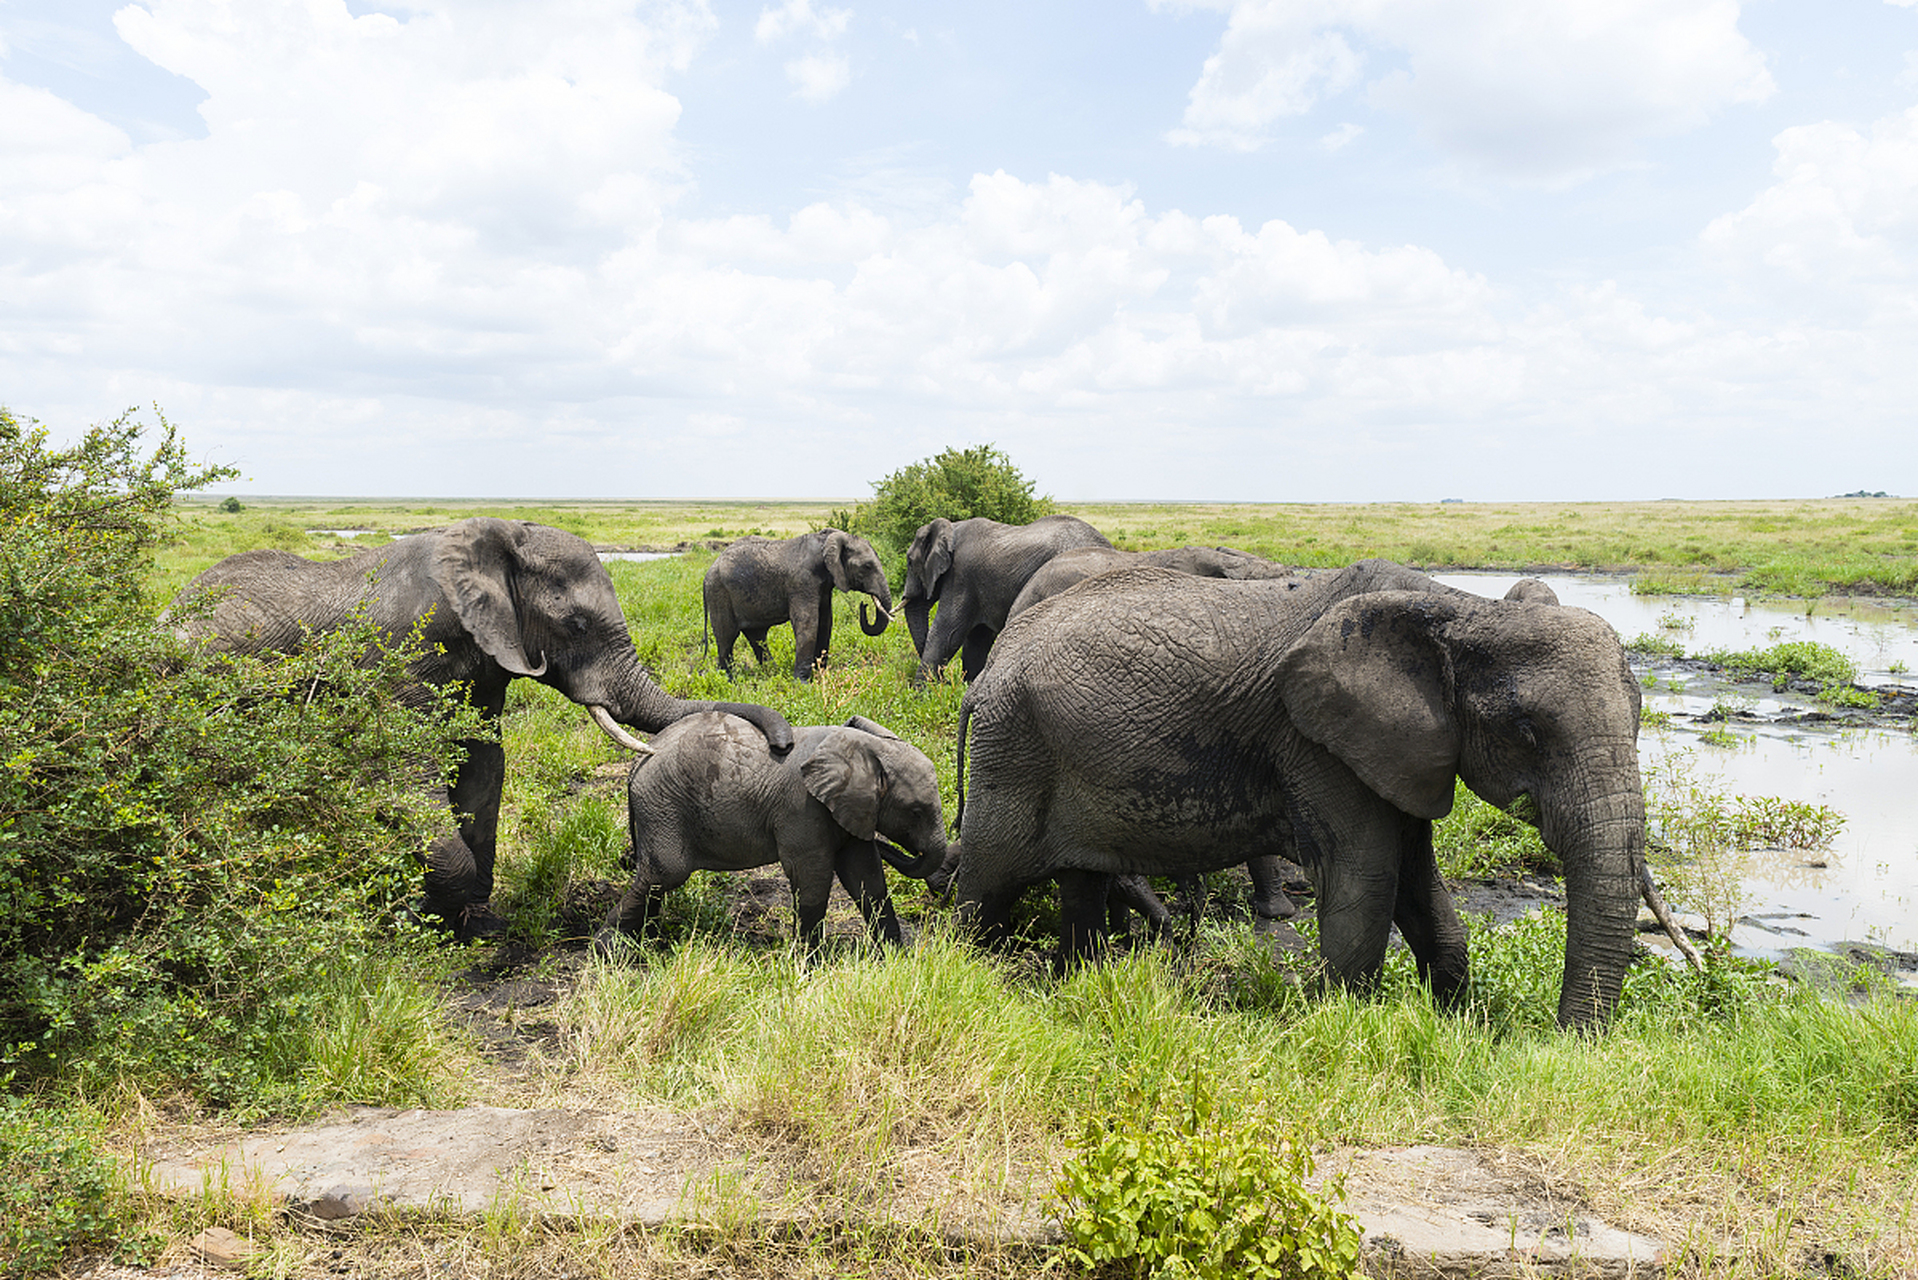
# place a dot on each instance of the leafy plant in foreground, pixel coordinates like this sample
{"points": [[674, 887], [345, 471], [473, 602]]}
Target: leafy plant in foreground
{"points": [[58, 1195], [1187, 1182]]}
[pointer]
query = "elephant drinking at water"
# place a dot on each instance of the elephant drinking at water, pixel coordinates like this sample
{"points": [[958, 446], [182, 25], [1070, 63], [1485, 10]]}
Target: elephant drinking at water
{"points": [[495, 600], [1152, 723]]}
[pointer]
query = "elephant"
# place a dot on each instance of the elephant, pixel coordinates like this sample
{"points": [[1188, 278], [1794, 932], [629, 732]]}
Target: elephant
{"points": [[1154, 723], [758, 583], [709, 798], [1069, 568], [973, 570], [493, 600]]}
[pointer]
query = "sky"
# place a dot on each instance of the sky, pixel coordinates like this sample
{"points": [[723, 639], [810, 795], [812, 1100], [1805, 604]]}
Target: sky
{"points": [[1225, 250]]}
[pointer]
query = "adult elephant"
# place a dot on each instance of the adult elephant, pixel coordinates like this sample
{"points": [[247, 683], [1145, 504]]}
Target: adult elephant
{"points": [[710, 799], [494, 600], [1069, 568], [1151, 722], [973, 570], [758, 583]]}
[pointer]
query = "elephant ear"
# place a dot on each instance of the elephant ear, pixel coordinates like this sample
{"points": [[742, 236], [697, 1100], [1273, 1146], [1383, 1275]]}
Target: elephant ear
{"points": [[938, 557], [873, 727], [1370, 681], [474, 566], [846, 776], [838, 546]]}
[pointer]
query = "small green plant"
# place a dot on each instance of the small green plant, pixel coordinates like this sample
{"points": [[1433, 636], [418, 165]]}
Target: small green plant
{"points": [[1847, 695], [1477, 840], [1191, 1181], [1806, 659], [59, 1195], [1656, 646], [1722, 737], [1674, 621], [1898, 667], [1651, 718]]}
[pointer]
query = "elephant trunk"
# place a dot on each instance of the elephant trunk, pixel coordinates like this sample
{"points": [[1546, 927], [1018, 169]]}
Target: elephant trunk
{"points": [[943, 859], [882, 602], [1599, 836], [918, 621], [638, 702]]}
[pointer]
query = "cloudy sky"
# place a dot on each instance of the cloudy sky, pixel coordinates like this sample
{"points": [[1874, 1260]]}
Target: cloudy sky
{"points": [[1284, 250]]}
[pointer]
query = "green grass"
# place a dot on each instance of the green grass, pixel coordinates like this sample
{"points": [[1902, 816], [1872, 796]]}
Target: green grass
{"points": [[1755, 1126]]}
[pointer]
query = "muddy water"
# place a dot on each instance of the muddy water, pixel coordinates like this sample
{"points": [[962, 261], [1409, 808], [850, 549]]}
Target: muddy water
{"points": [[1867, 891]]}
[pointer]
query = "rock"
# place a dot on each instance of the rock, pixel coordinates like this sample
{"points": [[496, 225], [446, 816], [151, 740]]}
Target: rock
{"points": [[221, 1248]]}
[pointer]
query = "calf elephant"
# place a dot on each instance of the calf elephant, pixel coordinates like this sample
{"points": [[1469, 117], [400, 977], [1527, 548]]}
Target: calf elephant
{"points": [[709, 798], [494, 600], [973, 570], [758, 583], [1069, 568], [1157, 723]]}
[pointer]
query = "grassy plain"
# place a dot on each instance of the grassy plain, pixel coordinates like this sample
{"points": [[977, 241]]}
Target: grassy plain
{"points": [[1763, 1132]]}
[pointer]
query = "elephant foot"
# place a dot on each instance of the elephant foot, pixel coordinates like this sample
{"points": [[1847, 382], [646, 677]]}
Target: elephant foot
{"points": [[478, 920], [610, 944]]}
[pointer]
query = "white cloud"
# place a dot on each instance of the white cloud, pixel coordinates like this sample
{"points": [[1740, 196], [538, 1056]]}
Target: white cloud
{"points": [[797, 17], [823, 73], [1527, 91], [817, 77], [1339, 138]]}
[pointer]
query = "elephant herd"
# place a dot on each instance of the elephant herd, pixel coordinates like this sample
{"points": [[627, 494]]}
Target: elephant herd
{"points": [[1165, 713]]}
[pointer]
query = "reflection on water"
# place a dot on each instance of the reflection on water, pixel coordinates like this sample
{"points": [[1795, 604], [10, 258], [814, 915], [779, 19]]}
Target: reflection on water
{"points": [[637, 555], [1880, 636], [1868, 889]]}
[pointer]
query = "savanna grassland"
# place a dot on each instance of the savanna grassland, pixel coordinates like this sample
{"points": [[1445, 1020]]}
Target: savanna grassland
{"points": [[1763, 1130]]}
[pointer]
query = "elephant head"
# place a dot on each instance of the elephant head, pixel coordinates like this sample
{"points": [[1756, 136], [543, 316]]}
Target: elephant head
{"points": [[1516, 698], [928, 560], [538, 602], [881, 788], [854, 566]]}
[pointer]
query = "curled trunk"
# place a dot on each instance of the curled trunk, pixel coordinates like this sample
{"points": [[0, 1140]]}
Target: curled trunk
{"points": [[918, 621], [933, 862], [882, 614]]}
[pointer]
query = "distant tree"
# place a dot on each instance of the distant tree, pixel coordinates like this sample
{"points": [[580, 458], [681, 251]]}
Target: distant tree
{"points": [[958, 484], [232, 506]]}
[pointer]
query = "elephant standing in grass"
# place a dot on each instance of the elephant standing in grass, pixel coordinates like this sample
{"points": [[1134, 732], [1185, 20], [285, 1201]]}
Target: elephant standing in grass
{"points": [[1153, 723], [759, 583], [973, 570], [494, 600], [709, 798], [1069, 568]]}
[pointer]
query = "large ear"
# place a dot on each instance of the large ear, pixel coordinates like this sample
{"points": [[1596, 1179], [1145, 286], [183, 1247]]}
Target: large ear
{"points": [[474, 565], [845, 775], [838, 544], [938, 557], [1371, 682]]}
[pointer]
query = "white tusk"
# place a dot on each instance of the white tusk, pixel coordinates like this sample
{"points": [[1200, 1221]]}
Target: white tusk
{"points": [[612, 728]]}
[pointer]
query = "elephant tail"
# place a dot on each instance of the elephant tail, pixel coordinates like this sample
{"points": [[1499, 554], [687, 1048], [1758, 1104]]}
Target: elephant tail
{"points": [[965, 720]]}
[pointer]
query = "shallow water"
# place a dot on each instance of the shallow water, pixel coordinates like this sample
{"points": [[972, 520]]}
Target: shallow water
{"points": [[1868, 889], [637, 555]]}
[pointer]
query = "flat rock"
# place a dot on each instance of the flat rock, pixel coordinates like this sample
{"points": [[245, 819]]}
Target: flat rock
{"points": [[1426, 1211]]}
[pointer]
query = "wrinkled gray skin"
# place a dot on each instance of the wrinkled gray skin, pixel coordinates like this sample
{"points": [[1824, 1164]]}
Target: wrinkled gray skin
{"points": [[501, 599], [758, 583], [973, 570], [1162, 724], [1069, 568], [709, 798]]}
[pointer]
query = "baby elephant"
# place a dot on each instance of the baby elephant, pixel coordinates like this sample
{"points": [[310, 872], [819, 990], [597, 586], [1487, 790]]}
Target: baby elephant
{"points": [[711, 798]]}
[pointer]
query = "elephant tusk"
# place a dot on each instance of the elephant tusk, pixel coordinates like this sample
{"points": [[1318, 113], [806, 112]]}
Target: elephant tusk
{"points": [[1649, 891], [611, 727]]}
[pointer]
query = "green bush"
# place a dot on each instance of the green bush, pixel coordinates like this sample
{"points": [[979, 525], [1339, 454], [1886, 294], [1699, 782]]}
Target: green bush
{"points": [[59, 1194], [1176, 1184], [190, 846], [958, 484]]}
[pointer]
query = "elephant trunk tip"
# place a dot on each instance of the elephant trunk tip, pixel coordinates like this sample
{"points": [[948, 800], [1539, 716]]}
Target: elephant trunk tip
{"points": [[875, 622]]}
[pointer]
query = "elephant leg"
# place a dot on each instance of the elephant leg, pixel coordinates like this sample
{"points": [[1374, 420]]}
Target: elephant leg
{"points": [[725, 636], [805, 619], [1082, 915], [811, 881], [1356, 872], [972, 660], [1195, 893], [756, 637], [1269, 902], [864, 878], [459, 869], [1427, 918], [639, 906]]}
